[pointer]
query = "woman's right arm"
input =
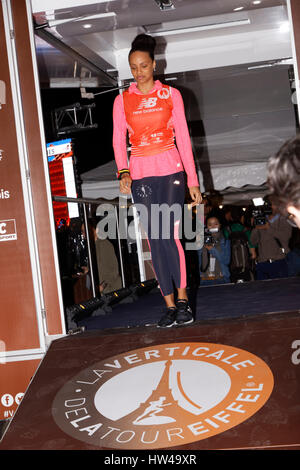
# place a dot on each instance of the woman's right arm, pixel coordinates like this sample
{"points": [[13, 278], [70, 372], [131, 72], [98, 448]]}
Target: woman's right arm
{"points": [[119, 143]]}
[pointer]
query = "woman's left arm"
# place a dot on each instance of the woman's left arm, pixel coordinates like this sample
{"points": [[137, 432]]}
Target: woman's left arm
{"points": [[183, 142]]}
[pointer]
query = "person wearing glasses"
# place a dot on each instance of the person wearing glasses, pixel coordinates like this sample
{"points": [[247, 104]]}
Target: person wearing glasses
{"points": [[284, 180], [284, 185]]}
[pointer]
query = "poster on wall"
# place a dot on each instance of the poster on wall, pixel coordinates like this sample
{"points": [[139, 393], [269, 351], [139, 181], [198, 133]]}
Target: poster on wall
{"points": [[62, 179]]}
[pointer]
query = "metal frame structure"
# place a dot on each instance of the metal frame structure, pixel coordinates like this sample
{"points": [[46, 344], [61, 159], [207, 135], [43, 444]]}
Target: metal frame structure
{"points": [[79, 117]]}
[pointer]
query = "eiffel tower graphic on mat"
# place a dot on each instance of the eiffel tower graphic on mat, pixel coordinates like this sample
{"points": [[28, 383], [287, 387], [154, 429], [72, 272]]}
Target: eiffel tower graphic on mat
{"points": [[160, 407]]}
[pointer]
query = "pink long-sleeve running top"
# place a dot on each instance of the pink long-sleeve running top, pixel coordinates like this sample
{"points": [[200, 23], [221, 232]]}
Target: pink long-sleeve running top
{"points": [[153, 121]]}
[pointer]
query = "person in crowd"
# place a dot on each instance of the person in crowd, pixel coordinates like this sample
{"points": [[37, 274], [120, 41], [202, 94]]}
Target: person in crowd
{"points": [[226, 212], [107, 262], [153, 114], [214, 256], [284, 185], [237, 224], [272, 242], [243, 252], [284, 179]]}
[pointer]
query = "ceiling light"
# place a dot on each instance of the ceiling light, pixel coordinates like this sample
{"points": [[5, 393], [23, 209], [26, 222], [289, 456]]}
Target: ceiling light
{"points": [[96, 16], [287, 61], [238, 8], [284, 27], [256, 2], [44, 5], [194, 29], [87, 26], [52, 23]]}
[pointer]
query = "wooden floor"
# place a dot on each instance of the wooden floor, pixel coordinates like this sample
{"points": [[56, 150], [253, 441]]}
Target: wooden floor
{"points": [[239, 388]]}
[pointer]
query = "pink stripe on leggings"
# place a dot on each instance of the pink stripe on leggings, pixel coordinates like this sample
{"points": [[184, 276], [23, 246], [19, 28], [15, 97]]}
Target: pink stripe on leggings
{"points": [[154, 269], [181, 256]]}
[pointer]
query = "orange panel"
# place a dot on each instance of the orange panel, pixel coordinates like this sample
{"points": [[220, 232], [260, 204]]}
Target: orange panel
{"points": [[15, 378], [18, 323], [37, 172]]}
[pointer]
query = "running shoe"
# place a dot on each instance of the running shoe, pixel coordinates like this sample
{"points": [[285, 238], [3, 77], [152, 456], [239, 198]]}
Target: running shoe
{"points": [[168, 319], [184, 313]]}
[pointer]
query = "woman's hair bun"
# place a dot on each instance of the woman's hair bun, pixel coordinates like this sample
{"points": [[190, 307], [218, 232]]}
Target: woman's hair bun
{"points": [[143, 40], [144, 43]]}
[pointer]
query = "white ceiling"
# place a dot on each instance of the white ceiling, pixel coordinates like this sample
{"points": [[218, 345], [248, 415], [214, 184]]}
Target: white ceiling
{"points": [[246, 112], [106, 42], [129, 13]]}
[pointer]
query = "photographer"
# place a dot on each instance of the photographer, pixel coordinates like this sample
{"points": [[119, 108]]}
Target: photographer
{"points": [[284, 180], [214, 256], [271, 237]]}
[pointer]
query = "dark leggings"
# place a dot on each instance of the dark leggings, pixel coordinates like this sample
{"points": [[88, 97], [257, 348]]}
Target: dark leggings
{"points": [[153, 197]]}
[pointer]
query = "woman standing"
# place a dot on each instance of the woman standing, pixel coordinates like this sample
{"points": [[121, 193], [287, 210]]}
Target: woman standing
{"points": [[153, 114]]}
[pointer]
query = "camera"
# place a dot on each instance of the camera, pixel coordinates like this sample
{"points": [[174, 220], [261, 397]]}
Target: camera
{"points": [[261, 211], [208, 238]]}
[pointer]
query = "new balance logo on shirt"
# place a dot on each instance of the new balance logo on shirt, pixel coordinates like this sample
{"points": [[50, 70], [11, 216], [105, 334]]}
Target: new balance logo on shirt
{"points": [[147, 103]]}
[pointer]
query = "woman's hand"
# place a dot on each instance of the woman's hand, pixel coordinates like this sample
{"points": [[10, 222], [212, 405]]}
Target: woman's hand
{"points": [[125, 184], [195, 195]]}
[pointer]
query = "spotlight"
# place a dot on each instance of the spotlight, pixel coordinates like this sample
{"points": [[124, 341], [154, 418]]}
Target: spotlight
{"points": [[117, 296], [165, 4], [143, 288], [92, 307], [103, 305], [127, 295]]}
